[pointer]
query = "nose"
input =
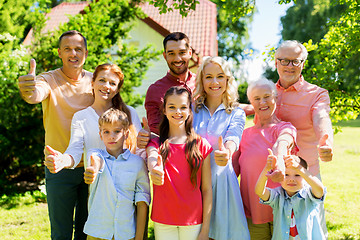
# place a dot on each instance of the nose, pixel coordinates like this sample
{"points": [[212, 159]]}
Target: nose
{"points": [[177, 57]]}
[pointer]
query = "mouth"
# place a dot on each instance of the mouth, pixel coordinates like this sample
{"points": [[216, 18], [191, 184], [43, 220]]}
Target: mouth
{"points": [[215, 88], [111, 143], [178, 64], [291, 184], [73, 60], [264, 108], [177, 117], [104, 92]]}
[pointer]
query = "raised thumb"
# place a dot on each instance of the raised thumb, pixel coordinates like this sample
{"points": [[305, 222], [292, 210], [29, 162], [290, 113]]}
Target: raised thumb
{"points": [[50, 150], [323, 140], [32, 67], [270, 151], [159, 160], [220, 142], [145, 124], [92, 161]]}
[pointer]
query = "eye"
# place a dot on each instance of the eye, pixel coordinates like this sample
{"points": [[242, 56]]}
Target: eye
{"points": [[113, 84], [297, 175], [117, 131], [208, 77], [78, 49], [184, 107], [182, 52], [106, 132], [222, 76], [171, 107], [286, 175]]}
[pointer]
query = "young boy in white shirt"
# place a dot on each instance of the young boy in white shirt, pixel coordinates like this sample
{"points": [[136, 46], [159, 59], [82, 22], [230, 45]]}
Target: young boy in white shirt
{"points": [[296, 203], [120, 190]]}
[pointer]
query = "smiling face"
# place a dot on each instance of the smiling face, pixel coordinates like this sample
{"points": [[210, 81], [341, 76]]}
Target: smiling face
{"points": [[290, 74], [214, 80], [72, 52], [264, 102], [105, 85], [113, 135], [292, 182], [177, 109], [177, 55]]}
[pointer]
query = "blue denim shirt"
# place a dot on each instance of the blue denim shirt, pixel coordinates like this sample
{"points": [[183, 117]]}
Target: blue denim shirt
{"points": [[120, 184], [306, 212]]}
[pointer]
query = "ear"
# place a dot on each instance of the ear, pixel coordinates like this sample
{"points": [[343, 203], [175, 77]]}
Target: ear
{"points": [[190, 51], [126, 134], [164, 55], [59, 52], [100, 135], [86, 54], [276, 63]]}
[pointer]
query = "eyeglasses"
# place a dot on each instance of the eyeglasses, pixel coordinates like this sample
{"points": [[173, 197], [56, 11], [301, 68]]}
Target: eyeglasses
{"points": [[294, 62]]}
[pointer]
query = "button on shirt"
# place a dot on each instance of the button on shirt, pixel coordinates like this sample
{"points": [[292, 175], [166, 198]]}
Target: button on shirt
{"points": [[306, 211], [298, 104], [120, 184], [155, 97]]}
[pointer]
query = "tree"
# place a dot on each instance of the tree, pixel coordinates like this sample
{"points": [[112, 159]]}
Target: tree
{"points": [[105, 24]]}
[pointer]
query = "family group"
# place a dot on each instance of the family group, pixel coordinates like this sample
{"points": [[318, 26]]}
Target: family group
{"points": [[193, 146]]}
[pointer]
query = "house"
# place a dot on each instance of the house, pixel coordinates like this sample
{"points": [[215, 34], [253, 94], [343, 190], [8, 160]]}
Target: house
{"points": [[199, 25]]}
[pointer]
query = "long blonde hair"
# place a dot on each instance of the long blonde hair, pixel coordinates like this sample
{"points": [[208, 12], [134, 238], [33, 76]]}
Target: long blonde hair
{"points": [[230, 96]]}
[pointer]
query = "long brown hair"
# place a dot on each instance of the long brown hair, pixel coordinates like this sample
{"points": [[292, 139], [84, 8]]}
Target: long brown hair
{"points": [[118, 103], [192, 153]]}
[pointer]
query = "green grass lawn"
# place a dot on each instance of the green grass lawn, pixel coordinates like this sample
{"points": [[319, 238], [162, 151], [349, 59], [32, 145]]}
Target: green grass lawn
{"points": [[25, 217]]}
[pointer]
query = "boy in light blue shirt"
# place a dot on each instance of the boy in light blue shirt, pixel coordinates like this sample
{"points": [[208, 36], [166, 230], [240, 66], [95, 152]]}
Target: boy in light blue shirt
{"points": [[120, 190], [296, 203]]}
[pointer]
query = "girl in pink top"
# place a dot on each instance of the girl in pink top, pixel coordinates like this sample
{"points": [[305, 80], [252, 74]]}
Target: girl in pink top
{"points": [[268, 132], [181, 173]]}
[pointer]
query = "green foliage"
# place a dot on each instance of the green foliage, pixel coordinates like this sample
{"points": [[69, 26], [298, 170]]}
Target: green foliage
{"points": [[242, 93], [184, 6], [106, 25]]}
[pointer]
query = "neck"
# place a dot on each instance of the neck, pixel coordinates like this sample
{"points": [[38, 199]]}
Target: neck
{"points": [[177, 134], [287, 84], [182, 77], [74, 74], [115, 153], [264, 123], [212, 104], [101, 106]]}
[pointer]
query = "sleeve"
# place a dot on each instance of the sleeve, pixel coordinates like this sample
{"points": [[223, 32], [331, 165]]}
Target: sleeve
{"points": [[313, 199], [154, 142], [274, 195], [142, 186], [205, 147], [76, 144], [288, 128], [135, 118], [322, 104], [236, 127], [152, 107]]}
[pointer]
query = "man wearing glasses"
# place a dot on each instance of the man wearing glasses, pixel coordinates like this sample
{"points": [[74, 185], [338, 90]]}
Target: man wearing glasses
{"points": [[306, 106]]}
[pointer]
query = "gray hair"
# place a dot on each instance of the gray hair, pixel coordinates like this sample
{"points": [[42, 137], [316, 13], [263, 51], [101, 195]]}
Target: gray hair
{"points": [[261, 82], [292, 44]]}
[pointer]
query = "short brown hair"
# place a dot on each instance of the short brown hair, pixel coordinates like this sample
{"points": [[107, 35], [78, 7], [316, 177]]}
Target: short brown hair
{"points": [[176, 36], [72, 33], [114, 116]]}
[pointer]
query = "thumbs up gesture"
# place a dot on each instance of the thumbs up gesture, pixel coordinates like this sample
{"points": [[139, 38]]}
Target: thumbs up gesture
{"points": [[222, 155], [27, 82], [92, 170], [157, 172], [54, 160], [143, 136], [325, 149]]}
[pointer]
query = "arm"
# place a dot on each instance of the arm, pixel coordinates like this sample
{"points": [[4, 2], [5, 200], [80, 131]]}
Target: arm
{"points": [[152, 106], [248, 109], [225, 152], [155, 165], [280, 148], [206, 192], [260, 188], [141, 214], [317, 188]]}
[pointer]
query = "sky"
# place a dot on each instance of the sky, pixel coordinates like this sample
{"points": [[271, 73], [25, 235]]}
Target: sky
{"points": [[265, 30]]}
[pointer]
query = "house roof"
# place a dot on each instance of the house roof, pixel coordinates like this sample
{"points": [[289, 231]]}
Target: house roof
{"points": [[199, 25]]}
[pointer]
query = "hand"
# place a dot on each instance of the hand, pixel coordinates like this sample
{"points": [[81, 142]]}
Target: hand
{"points": [[274, 174], [157, 172], [53, 160], [143, 136], [324, 149], [290, 162], [222, 155], [92, 170], [27, 82]]}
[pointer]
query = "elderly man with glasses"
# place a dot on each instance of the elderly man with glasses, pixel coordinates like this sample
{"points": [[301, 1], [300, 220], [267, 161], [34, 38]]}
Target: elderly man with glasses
{"points": [[304, 105]]}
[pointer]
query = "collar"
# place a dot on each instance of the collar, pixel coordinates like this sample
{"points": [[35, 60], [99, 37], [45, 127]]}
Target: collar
{"points": [[296, 86], [220, 107], [124, 156], [176, 79]]}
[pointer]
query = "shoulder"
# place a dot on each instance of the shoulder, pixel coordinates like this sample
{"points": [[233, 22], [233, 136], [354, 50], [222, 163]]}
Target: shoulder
{"points": [[83, 113], [309, 87], [204, 145]]}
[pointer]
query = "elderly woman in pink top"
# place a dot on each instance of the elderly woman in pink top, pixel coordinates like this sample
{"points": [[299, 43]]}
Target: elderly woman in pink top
{"points": [[268, 132]]}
